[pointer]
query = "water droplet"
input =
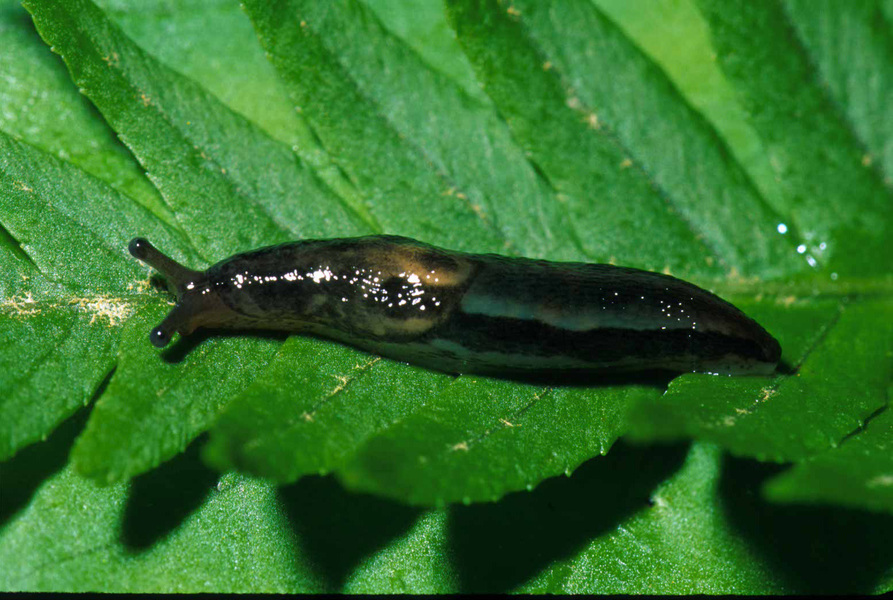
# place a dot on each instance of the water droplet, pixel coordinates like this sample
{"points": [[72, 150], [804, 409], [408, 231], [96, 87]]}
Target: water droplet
{"points": [[782, 228]]}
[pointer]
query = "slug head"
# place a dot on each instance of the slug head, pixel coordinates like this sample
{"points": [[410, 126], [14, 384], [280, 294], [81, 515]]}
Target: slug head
{"points": [[197, 303]]}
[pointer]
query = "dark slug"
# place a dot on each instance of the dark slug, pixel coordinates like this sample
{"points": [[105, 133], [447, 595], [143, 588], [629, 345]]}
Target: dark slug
{"points": [[467, 313]]}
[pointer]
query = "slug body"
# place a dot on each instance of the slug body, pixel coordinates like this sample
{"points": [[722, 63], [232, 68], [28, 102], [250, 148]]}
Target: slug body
{"points": [[467, 313]]}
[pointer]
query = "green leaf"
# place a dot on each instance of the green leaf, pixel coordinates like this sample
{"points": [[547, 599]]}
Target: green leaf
{"points": [[675, 36], [838, 385], [67, 287], [844, 371], [459, 442], [179, 132], [859, 473], [414, 435], [829, 186], [557, 133], [196, 151], [423, 27], [420, 156], [212, 43], [610, 528], [316, 403], [704, 532], [438, 441], [582, 131], [858, 76], [39, 105], [89, 538], [135, 426]]}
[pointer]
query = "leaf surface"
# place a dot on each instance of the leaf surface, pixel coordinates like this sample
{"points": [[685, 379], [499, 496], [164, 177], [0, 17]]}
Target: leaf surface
{"points": [[610, 528], [859, 473], [579, 131], [39, 105], [834, 194], [67, 287], [179, 131]]}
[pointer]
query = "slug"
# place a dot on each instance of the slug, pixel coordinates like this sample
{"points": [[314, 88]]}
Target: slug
{"points": [[467, 313]]}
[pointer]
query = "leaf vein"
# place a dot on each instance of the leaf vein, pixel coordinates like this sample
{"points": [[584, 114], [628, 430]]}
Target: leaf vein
{"points": [[507, 421], [446, 180], [612, 138]]}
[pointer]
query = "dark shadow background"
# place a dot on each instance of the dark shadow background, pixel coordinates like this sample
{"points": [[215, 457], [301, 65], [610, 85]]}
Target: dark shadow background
{"points": [[817, 549], [499, 546], [338, 528], [160, 500], [30, 467]]}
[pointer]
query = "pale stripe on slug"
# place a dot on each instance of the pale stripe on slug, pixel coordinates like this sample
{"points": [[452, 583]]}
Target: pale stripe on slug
{"points": [[467, 313]]}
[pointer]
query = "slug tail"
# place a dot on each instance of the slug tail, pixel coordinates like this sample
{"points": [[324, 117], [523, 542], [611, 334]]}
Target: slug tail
{"points": [[177, 276]]}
